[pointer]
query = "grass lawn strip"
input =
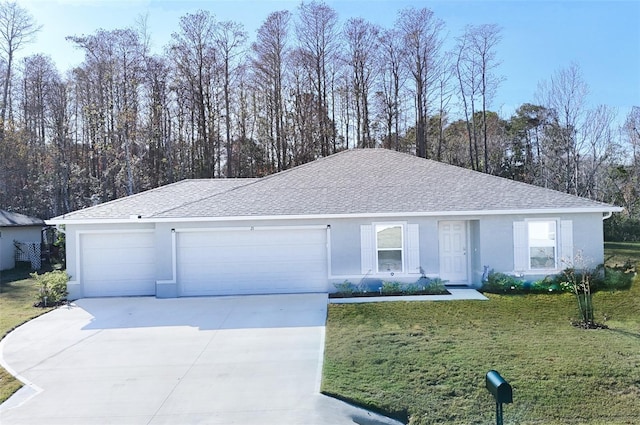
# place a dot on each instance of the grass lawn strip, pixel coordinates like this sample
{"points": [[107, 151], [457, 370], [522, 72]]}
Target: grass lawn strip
{"points": [[425, 362]]}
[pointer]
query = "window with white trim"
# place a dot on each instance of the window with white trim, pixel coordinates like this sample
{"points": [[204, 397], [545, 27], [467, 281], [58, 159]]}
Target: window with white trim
{"points": [[389, 247], [543, 244]]}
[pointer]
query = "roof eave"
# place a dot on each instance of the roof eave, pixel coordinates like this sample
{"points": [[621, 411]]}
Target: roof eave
{"points": [[459, 213]]}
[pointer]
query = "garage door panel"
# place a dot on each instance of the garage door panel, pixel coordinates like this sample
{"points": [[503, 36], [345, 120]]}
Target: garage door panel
{"points": [[120, 257], [118, 264], [252, 261]]}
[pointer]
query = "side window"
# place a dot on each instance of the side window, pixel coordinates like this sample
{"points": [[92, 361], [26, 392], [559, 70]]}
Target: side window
{"points": [[543, 248], [389, 247]]}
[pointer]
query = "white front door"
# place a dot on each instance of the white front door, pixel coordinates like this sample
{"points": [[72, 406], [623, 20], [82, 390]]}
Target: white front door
{"points": [[452, 236]]}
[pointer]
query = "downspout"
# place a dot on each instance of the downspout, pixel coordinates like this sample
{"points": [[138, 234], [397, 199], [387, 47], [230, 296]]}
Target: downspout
{"points": [[609, 214]]}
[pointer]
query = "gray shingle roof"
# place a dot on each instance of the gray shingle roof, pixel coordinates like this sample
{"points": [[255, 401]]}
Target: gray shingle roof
{"points": [[359, 181], [12, 219], [155, 201]]}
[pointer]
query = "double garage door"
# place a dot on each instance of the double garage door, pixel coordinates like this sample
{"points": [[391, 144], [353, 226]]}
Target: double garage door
{"points": [[251, 261], [208, 262]]}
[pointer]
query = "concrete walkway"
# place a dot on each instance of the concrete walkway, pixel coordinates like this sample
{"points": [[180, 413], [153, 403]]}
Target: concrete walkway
{"points": [[454, 295], [218, 360]]}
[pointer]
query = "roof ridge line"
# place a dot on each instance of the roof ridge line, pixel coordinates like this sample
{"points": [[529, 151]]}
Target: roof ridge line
{"points": [[251, 180], [117, 200]]}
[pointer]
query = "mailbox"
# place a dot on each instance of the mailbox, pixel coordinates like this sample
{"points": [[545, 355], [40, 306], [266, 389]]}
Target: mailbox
{"points": [[500, 388]]}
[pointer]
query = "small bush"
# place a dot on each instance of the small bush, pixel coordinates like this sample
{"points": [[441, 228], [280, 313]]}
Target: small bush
{"points": [[391, 287], [52, 287], [345, 288], [618, 278], [501, 283]]}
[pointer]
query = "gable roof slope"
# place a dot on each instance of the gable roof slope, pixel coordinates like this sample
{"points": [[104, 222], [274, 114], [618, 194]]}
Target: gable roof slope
{"points": [[13, 219], [380, 181], [353, 182], [153, 202]]}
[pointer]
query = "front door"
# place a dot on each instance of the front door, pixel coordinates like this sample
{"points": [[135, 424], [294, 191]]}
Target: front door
{"points": [[452, 237]]}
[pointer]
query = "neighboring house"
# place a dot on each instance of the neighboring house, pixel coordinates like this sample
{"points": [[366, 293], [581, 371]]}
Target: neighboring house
{"points": [[363, 213], [21, 230]]}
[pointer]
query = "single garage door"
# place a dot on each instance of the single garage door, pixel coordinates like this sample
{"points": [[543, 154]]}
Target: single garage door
{"points": [[252, 261], [117, 264]]}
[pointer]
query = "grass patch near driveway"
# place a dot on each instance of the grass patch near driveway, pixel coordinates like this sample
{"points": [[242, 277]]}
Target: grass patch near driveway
{"points": [[17, 296], [426, 361]]}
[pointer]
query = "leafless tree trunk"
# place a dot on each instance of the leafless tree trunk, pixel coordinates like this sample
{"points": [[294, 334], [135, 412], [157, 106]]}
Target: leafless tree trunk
{"points": [[565, 95], [421, 34], [270, 55], [391, 84], [317, 34], [229, 41], [362, 45], [17, 28]]}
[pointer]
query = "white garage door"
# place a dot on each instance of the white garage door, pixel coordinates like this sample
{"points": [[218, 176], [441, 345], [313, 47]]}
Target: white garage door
{"points": [[117, 264], [260, 261]]}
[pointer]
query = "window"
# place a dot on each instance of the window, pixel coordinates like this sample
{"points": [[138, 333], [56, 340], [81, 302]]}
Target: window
{"points": [[386, 248], [542, 245], [389, 243]]}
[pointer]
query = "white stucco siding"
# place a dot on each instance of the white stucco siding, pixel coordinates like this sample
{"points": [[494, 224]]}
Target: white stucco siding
{"points": [[498, 250]]}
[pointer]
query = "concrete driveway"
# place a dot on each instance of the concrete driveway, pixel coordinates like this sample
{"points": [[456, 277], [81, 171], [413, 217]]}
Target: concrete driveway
{"points": [[219, 360]]}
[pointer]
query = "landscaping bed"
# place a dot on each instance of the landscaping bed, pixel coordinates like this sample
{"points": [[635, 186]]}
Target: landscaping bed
{"points": [[368, 288]]}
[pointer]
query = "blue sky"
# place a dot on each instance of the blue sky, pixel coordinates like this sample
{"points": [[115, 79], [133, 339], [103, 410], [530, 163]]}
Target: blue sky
{"points": [[539, 36]]}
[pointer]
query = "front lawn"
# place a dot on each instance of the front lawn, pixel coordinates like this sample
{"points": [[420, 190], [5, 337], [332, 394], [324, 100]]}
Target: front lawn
{"points": [[426, 361], [17, 296]]}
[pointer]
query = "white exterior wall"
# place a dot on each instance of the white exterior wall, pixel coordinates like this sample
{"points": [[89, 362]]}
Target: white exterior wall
{"points": [[489, 243], [10, 234]]}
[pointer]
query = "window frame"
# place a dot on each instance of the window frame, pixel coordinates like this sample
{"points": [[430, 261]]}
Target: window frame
{"points": [[402, 248], [556, 245]]}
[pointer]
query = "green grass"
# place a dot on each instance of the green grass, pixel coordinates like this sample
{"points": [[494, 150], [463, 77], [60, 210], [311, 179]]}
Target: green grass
{"points": [[17, 296], [425, 362], [617, 253]]}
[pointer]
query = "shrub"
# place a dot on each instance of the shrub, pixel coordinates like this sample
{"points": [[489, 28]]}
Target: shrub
{"points": [[345, 288], [601, 278], [52, 287], [391, 287], [618, 278], [501, 283]]}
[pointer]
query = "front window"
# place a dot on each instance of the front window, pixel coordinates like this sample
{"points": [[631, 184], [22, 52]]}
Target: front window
{"points": [[389, 247], [542, 245]]}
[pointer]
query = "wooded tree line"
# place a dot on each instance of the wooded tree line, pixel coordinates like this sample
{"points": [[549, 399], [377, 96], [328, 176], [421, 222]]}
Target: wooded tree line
{"points": [[219, 103]]}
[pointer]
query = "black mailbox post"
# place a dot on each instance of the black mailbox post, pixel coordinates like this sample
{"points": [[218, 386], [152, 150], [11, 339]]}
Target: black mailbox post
{"points": [[501, 391]]}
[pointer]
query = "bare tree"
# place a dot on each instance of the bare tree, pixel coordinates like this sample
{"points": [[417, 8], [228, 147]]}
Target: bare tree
{"points": [[421, 34], [111, 76], [362, 44], [565, 94], [482, 42], [195, 67], [475, 65], [391, 83], [270, 55], [229, 41], [318, 39], [17, 28]]}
